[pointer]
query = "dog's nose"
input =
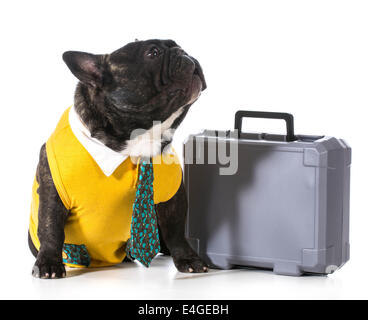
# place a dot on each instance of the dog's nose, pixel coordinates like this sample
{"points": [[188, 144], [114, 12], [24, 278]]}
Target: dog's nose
{"points": [[178, 51]]}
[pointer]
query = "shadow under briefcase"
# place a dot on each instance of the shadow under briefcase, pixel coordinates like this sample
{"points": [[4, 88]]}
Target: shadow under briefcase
{"points": [[280, 202]]}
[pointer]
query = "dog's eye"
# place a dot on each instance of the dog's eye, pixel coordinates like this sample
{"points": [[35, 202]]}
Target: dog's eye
{"points": [[154, 52]]}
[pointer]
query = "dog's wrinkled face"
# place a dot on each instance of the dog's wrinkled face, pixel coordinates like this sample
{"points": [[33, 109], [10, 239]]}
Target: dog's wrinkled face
{"points": [[151, 79]]}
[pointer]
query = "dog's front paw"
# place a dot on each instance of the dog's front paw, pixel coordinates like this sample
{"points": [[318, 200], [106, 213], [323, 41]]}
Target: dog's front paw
{"points": [[190, 264], [46, 269]]}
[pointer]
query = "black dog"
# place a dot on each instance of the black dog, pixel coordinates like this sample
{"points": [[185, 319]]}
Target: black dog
{"points": [[142, 82]]}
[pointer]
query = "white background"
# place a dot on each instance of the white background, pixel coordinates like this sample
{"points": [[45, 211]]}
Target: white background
{"points": [[309, 58]]}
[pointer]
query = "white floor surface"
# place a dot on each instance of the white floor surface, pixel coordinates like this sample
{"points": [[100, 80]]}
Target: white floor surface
{"points": [[162, 281]]}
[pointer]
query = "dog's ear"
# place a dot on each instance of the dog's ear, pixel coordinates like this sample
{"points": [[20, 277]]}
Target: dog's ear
{"points": [[87, 67]]}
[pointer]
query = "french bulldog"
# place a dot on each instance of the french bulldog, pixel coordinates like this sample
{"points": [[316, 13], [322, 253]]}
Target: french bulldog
{"points": [[118, 93]]}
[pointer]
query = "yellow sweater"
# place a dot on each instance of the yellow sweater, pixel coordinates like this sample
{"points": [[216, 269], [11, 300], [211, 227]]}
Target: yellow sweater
{"points": [[100, 206]]}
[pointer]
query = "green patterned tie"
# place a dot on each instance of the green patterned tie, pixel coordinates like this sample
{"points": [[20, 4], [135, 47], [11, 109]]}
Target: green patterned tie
{"points": [[144, 242]]}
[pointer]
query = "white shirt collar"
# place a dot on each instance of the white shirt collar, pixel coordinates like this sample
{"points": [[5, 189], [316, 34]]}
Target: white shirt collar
{"points": [[107, 159]]}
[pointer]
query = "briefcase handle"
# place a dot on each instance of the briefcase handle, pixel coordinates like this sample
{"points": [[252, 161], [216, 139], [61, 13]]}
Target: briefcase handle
{"points": [[289, 119]]}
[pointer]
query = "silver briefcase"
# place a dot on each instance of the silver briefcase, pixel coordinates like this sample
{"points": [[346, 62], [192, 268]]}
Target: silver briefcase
{"points": [[282, 204]]}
